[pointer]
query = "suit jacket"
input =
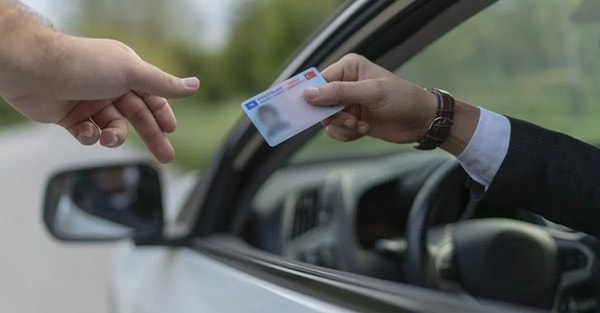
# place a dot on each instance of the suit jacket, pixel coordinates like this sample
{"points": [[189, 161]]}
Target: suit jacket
{"points": [[552, 174]]}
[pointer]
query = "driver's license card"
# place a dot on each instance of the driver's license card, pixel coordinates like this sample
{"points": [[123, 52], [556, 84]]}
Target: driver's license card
{"points": [[281, 112]]}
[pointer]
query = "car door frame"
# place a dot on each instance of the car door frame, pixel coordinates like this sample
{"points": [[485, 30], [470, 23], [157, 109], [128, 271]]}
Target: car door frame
{"points": [[388, 32]]}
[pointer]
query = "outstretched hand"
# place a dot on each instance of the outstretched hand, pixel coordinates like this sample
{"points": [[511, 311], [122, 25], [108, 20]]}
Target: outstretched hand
{"points": [[377, 102], [94, 87]]}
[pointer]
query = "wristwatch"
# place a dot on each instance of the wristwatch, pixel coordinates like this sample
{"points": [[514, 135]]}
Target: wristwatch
{"points": [[439, 128]]}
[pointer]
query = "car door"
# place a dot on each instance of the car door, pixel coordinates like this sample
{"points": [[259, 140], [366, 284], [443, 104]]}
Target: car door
{"points": [[216, 270]]}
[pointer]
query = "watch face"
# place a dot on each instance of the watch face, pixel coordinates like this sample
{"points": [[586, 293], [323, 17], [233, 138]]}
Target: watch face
{"points": [[442, 121]]}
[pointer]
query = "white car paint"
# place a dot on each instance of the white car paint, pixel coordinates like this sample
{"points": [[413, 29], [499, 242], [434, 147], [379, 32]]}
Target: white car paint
{"points": [[153, 280], [160, 279]]}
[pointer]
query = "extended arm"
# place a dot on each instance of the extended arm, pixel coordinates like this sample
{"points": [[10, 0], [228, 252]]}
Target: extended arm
{"points": [[520, 164], [384, 106]]}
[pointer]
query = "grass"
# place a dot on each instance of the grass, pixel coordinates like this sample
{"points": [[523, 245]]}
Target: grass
{"points": [[200, 130]]}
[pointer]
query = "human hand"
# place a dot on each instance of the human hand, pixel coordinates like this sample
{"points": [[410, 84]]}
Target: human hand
{"points": [[94, 87], [378, 103]]}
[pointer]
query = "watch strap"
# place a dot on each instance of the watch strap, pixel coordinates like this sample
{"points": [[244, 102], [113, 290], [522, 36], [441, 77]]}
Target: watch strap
{"points": [[439, 128]]}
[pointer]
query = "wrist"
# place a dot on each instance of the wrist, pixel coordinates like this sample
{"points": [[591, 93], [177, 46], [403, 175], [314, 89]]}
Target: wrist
{"points": [[27, 48], [466, 117], [439, 128], [429, 104]]}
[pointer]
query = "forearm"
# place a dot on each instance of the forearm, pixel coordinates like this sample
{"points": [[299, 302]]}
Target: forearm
{"points": [[552, 174], [26, 46]]}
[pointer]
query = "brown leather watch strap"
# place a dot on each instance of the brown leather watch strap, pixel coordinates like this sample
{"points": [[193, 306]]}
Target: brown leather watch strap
{"points": [[440, 126]]}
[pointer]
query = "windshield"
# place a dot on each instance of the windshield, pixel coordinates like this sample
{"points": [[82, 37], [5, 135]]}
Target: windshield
{"points": [[535, 60]]}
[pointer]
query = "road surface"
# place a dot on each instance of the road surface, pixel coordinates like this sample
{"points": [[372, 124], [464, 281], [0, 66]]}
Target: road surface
{"points": [[39, 274]]}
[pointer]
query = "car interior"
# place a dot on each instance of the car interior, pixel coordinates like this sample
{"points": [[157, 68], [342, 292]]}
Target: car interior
{"points": [[397, 214]]}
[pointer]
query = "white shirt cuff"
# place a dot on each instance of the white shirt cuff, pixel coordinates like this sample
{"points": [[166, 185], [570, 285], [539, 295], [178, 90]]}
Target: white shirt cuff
{"points": [[487, 149]]}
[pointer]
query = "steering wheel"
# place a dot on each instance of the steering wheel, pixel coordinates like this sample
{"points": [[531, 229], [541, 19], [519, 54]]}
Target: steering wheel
{"points": [[420, 267], [494, 258]]}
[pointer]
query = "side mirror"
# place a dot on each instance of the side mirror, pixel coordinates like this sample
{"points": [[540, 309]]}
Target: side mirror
{"points": [[104, 204]]}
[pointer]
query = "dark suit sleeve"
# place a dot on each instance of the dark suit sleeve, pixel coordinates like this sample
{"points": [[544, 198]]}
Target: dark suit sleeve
{"points": [[552, 174]]}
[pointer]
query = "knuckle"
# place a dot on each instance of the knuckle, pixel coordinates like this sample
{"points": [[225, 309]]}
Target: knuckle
{"points": [[353, 57], [377, 86], [338, 89], [138, 116], [121, 46]]}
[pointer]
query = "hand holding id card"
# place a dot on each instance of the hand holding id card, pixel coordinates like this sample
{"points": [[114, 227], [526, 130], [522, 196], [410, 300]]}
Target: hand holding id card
{"points": [[281, 112]]}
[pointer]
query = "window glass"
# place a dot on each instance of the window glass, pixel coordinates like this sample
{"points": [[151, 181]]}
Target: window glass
{"points": [[536, 60]]}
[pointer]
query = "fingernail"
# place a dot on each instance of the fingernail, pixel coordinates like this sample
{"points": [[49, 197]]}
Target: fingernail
{"points": [[311, 92], [113, 142], [191, 82], [349, 123], [363, 130], [88, 133]]}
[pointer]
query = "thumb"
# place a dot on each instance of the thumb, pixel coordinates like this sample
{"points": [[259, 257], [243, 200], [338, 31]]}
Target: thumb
{"points": [[149, 79], [358, 92]]}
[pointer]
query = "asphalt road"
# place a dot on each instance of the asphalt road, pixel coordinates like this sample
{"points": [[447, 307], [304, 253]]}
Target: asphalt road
{"points": [[39, 274]]}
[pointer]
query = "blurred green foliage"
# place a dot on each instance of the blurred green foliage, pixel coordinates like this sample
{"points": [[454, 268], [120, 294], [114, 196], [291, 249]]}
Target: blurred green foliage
{"points": [[263, 34], [536, 60], [266, 33], [8, 116]]}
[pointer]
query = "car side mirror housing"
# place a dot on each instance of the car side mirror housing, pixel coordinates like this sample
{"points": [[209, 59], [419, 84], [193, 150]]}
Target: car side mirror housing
{"points": [[105, 203]]}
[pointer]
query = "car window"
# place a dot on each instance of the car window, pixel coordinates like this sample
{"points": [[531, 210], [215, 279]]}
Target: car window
{"points": [[321, 147], [535, 60]]}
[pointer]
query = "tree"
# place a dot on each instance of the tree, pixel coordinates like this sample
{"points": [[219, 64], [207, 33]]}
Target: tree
{"points": [[265, 34], [156, 29]]}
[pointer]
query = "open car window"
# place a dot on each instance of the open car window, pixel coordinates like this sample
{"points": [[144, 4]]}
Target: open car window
{"points": [[535, 60], [322, 147]]}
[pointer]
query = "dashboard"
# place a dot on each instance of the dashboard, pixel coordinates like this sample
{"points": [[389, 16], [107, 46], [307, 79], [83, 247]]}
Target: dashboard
{"points": [[351, 215], [321, 213]]}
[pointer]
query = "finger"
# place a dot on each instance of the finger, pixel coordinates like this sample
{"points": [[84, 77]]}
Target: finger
{"points": [[85, 132], [343, 119], [134, 109], [342, 133], [82, 111], [349, 122], [162, 111], [113, 125], [149, 79], [362, 92], [78, 124], [346, 69], [363, 128]]}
